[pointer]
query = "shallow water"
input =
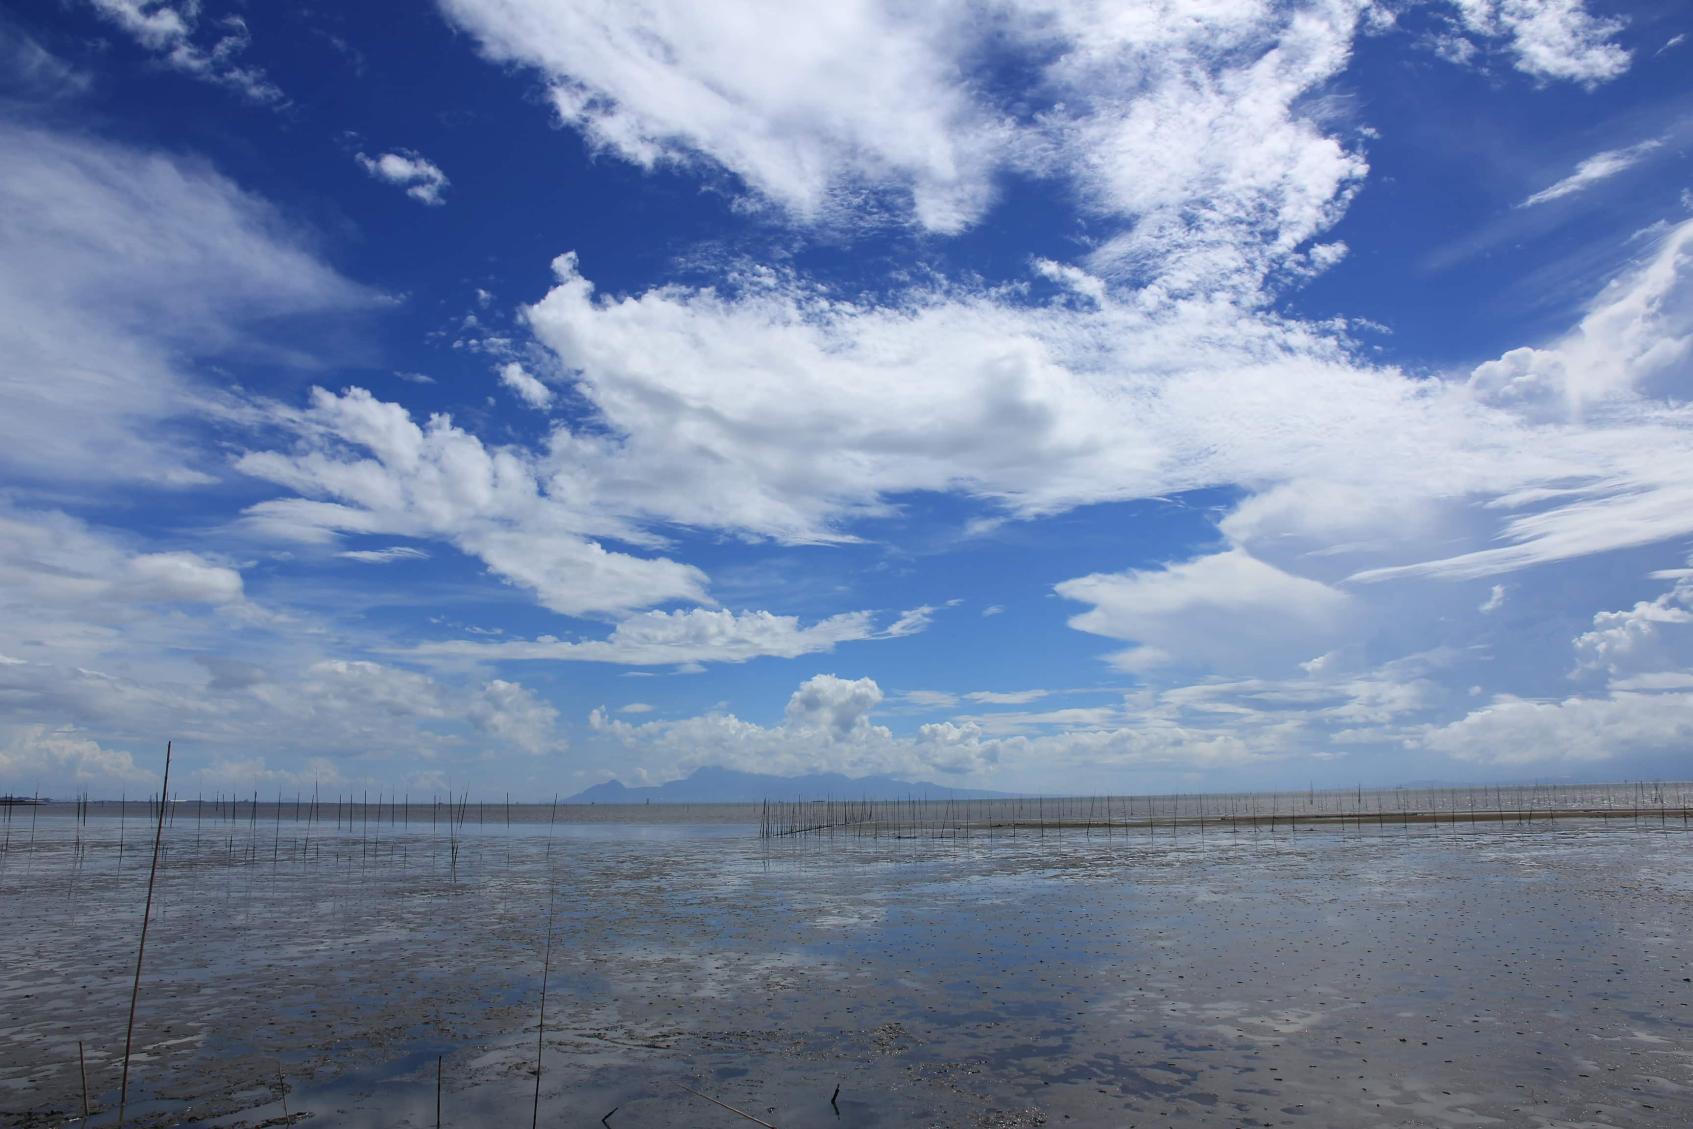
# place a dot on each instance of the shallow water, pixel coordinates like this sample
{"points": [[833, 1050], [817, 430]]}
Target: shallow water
{"points": [[1490, 974]]}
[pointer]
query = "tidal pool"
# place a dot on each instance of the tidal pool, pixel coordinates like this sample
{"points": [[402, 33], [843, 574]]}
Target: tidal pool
{"points": [[1533, 974]]}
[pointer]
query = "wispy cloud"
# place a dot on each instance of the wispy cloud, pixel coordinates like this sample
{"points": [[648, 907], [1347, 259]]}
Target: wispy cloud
{"points": [[385, 556], [697, 635], [172, 32], [1599, 166]]}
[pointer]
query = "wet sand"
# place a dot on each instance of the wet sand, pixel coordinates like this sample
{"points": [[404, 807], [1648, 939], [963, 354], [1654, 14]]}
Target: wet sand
{"points": [[1486, 974]]}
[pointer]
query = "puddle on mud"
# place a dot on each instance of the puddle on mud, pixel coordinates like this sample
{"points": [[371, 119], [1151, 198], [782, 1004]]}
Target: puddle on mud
{"points": [[1502, 975]]}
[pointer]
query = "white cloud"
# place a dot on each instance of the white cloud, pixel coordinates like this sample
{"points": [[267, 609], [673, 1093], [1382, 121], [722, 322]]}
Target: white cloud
{"points": [[170, 29], [30, 69], [832, 709], [1210, 163], [1644, 709], [1007, 697], [826, 727], [118, 269], [1185, 124], [48, 558], [774, 409], [421, 178], [59, 759], [1626, 456], [527, 388], [385, 556], [512, 712], [104, 636], [781, 409], [1196, 129], [829, 726], [1625, 642], [1550, 39], [1495, 600], [695, 635], [1574, 731], [1592, 170], [368, 468], [1226, 607], [803, 102]]}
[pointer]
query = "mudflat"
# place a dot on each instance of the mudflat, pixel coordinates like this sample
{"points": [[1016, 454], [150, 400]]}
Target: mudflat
{"points": [[1416, 974]]}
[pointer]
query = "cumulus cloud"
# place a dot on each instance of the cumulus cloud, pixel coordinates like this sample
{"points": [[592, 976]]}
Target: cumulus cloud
{"points": [[123, 637], [826, 727], [1589, 172], [420, 177], [799, 101], [531, 391], [1575, 731], [829, 725], [367, 467], [515, 714], [772, 408], [60, 759], [1643, 707], [1642, 638], [1550, 39], [1151, 110]]}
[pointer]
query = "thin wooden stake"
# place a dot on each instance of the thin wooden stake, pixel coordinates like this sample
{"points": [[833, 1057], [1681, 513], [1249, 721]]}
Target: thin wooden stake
{"points": [[141, 949], [541, 1027], [730, 1108], [82, 1067]]}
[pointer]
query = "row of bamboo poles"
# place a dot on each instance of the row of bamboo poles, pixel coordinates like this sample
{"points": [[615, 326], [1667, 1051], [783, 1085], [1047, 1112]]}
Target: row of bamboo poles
{"points": [[1656, 802]]}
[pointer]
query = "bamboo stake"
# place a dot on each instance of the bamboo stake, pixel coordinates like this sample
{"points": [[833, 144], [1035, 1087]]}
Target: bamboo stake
{"points": [[730, 1108], [541, 1027], [141, 948]]}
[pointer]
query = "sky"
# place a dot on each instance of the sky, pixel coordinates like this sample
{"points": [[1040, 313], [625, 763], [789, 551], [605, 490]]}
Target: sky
{"points": [[1061, 396]]}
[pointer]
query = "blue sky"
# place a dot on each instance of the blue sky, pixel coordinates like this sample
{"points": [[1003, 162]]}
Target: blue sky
{"points": [[1039, 396]]}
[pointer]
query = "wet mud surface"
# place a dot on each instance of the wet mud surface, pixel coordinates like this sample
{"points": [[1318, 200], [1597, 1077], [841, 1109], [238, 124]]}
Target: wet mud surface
{"points": [[1508, 975]]}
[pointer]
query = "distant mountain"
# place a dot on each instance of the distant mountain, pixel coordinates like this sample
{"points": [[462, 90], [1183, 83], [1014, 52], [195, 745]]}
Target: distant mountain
{"points": [[713, 785]]}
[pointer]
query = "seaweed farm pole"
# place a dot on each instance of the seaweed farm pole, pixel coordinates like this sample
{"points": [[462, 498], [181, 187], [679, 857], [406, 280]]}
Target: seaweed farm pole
{"points": [[541, 1027], [82, 1068], [141, 948]]}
